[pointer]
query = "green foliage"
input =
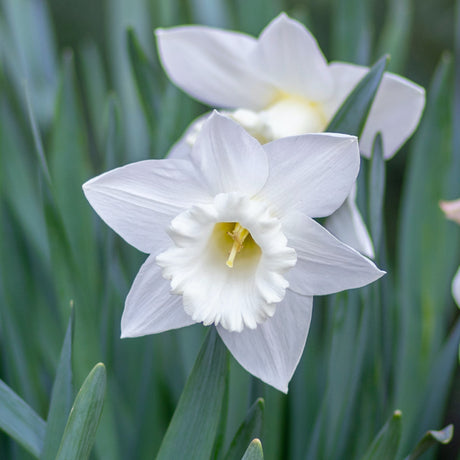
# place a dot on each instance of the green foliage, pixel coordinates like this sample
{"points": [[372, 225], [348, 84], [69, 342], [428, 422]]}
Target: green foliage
{"points": [[193, 431], [386, 443], [254, 451], [20, 421], [67, 115], [430, 439], [351, 116], [80, 430], [249, 429], [61, 398]]}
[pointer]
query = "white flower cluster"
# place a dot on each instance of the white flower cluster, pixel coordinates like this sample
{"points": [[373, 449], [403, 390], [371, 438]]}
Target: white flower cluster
{"points": [[228, 218]]}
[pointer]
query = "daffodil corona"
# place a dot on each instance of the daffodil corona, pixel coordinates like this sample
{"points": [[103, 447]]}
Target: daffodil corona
{"points": [[232, 241], [281, 85]]}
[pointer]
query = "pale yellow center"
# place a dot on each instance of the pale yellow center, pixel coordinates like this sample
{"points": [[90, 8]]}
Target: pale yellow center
{"points": [[291, 115], [238, 235], [236, 244], [287, 115]]}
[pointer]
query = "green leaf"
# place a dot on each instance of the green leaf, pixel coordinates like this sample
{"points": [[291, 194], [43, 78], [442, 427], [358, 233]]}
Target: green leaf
{"points": [[254, 451], [61, 397], [193, 428], [145, 77], [18, 177], [376, 187], [440, 379], [431, 438], [253, 16], [22, 57], [351, 30], [249, 429], [396, 33], [215, 13], [20, 421], [385, 445], [69, 167], [37, 138], [95, 87], [425, 235], [80, 431], [352, 115]]}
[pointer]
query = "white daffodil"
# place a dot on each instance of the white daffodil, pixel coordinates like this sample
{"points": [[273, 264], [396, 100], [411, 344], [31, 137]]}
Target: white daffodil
{"points": [[452, 211], [232, 241], [281, 85]]}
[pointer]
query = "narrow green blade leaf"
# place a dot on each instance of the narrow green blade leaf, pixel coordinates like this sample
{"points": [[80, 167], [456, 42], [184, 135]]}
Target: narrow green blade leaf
{"points": [[61, 398], [20, 421], [431, 438], [214, 13], [376, 189], [396, 34], [440, 380], [80, 431], [69, 168], [254, 451], [351, 30], [194, 424], [352, 115], [37, 138], [425, 235], [144, 76], [386, 443], [249, 429]]}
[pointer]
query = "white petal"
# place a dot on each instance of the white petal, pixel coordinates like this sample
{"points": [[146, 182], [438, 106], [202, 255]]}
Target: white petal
{"points": [[182, 148], [150, 308], [396, 113], [230, 159], [139, 200], [211, 65], [348, 226], [456, 287], [396, 110], [272, 351], [346, 77], [324, 264], [313, 173], [289, 55]]}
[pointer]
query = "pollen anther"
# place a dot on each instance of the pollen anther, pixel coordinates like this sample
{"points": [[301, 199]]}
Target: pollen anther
{"points": [[238, 235]]}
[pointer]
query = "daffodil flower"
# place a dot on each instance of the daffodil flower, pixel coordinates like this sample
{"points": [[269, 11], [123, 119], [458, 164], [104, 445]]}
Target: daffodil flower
{"points": [[232, 241], [281, 85], [452, 211]]}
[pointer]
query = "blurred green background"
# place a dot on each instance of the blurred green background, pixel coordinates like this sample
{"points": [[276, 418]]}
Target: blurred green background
{"points": [[80, 95]]}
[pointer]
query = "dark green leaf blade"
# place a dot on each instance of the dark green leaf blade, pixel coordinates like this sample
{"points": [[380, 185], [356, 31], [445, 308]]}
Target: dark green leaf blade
{"points": [[254, 451], [61, 398], [425, 235], [431, 438], [249, 429], [20, 421], [352, 115], [80, 431], [193, 428], [144, 76], [386, 443], [376, 189]]}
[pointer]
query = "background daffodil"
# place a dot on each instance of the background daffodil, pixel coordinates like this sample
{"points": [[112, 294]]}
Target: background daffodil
{"points": [[281, 85]]}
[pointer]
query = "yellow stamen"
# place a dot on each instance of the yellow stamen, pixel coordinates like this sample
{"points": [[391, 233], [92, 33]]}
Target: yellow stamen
{"points": [[238, 236]]}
